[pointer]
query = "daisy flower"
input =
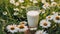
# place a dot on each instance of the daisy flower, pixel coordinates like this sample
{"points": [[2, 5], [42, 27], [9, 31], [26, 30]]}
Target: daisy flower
{"points": [[41, 32], [57, 19], [16, 9], [12, 1], [16, 4], [23, 7], [15, 13], [23, 22], [53, 4], [45, 24], [22, 28], [5, 13], [12, 28], [21, 1], [50, 17], [46, 5], [35, 1], [43, 1]]}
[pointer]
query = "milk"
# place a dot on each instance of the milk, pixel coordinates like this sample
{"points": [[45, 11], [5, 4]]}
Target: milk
{"points": [[33, 18]]}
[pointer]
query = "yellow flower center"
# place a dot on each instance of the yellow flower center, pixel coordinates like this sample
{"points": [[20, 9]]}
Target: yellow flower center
{"points": [[49, 17], [21, 26], [45, 24], [53, 4], [12, 28], [57, 18]]}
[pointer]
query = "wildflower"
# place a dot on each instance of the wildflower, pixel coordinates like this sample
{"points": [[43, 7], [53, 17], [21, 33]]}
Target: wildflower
{"points": [[12, 28], [5, 13], [23, 22], [16, 9], [16, 4], [16, 13], [53, 4], [46, 6], [12, 1], [35, 1], [57, 19], [45, 24], [21, 1], [43, 1], [50, 17], [22, 28]]}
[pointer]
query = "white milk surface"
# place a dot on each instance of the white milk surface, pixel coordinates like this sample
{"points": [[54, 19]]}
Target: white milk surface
{"points": [[33, 18]]}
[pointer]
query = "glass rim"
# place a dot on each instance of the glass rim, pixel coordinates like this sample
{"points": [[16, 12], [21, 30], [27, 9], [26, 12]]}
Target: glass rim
{"points": [[32, 8]]}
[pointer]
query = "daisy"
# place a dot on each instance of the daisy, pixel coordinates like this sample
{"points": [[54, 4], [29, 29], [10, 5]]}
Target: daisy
{"points": [[45, 24], [23, 22], [43, 1], [12, 1], [46, 5], [50, 17], [16, 4], [53, 4], [41, 32], [35, 1], [22, 28], [23, 7], [15, 13], [16, 9], [12, 28], [57, 19], [5, 13], [21, 1]]}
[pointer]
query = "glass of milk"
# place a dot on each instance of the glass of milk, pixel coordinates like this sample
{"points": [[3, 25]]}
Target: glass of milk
{"points": [[33, 16]]}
